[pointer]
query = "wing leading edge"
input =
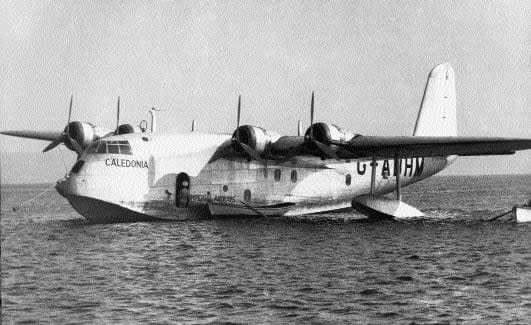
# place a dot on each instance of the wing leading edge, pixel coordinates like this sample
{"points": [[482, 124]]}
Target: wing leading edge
{"points": [[429, 146], [383, 147], [38, 135]]}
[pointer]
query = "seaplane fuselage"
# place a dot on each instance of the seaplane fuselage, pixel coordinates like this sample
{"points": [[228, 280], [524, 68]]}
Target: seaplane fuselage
{"points": [[135, 177], [130, 174]]}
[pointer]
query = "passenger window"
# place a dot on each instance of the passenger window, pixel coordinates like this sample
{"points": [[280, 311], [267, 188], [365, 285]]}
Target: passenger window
{"points": [[294, 176], [277, 175], [348, 179]]}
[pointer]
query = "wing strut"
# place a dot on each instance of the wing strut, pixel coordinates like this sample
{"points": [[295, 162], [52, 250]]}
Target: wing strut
{"points": [[398, 168], [373, 174]]}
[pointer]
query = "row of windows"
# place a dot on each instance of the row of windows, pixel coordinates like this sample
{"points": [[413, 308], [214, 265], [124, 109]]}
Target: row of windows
{"points": [[278, 174], [247, 193], [116, 147]]}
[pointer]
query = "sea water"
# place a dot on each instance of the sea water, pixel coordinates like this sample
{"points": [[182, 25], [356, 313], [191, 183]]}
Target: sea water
{"points": [[451, 267]]}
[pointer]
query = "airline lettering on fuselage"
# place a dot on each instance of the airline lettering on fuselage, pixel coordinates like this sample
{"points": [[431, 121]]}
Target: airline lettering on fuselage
{"points": [[126, 163], [410, 167], [208, 198]]}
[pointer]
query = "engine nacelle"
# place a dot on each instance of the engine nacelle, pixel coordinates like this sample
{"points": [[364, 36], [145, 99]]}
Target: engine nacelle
{"points": [[127, 128], [325, 133], [85, 133], [256, 138]]}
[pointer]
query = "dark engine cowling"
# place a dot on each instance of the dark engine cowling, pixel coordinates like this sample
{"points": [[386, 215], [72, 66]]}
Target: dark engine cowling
{"points": [[256, 138], [126, 128], [326, 133], [84, 133]]}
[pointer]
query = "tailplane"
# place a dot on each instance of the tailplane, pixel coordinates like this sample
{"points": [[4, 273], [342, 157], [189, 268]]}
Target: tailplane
{"points": [[437, 115]]}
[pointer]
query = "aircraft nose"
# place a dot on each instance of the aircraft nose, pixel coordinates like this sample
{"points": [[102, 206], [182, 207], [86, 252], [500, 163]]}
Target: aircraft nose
{"points": [[60, 187]]}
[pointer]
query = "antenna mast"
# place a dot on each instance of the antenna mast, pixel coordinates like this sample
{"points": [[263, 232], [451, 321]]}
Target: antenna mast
{"points": [[153, 111]]}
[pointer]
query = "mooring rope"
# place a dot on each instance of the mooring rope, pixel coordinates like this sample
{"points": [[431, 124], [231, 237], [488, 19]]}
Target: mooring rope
{"points": [[28, 201]]}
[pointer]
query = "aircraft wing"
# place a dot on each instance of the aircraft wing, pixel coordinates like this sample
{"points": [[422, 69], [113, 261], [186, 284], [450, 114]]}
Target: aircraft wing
{"points": [[428, 146], [39, 135]]}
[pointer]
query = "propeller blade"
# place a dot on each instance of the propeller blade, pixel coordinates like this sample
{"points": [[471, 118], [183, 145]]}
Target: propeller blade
{"points": [[239, 108], [325, 149], [73, 143], [67, 128], [248, 150], [54, 143], [238, 118], [312, 108], [117, 115], [311, 117], [70, 108]]}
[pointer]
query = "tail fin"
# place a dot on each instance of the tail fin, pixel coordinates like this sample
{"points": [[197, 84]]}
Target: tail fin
{"points": [[437, 115]]}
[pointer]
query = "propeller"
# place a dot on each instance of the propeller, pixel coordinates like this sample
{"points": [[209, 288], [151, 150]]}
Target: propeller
{"points": [[324, 148], [64, 137], [236, 139]]}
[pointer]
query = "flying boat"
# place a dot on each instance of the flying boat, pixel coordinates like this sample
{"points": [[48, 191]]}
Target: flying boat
{"points": [[133, 174]]}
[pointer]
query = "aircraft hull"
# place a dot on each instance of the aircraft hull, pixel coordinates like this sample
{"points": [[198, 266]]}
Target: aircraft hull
{"points": [[98, 211], [243, 210], [152, 185]]}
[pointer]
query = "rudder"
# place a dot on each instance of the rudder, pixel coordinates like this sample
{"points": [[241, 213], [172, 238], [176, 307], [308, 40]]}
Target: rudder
{"points": [[437, 115]]}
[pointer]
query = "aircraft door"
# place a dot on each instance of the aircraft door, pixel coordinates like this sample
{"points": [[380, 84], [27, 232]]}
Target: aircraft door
{"points": [[182, 190]]}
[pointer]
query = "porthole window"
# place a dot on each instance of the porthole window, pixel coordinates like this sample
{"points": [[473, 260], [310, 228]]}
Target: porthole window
{"points": [[225, 188], [294, 176], [348, 179], [277, 175], [247, 195]]}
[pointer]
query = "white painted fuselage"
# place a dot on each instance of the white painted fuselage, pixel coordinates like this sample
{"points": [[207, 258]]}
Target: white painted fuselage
{"points": [[169, 176]]}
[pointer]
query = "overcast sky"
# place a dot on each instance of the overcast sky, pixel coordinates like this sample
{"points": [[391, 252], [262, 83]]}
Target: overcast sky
{"points": [[367, 62]]}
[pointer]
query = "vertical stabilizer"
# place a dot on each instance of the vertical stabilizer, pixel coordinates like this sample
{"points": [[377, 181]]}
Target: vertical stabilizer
{"points": [[437, 115]]}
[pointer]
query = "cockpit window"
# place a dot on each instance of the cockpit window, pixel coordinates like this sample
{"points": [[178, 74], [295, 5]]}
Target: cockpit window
{"points": [[125, 148], [112, 147], [102, 147], [92, 148], [115, 147]]}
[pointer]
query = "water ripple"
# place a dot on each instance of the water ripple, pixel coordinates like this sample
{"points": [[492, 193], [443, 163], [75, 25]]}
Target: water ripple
{"points": [[452, 267]]}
